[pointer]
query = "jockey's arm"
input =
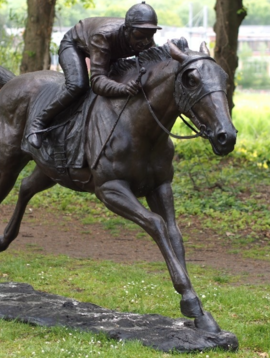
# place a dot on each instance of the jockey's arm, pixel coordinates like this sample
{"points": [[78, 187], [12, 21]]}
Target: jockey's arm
{"points": [[100, 56]]}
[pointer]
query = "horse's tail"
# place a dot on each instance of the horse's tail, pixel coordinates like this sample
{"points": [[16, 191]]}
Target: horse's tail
{"points": [[5, 76]]}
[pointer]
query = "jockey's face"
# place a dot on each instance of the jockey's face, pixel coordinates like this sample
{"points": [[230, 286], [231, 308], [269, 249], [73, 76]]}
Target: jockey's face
{"points": [[140, 39]]}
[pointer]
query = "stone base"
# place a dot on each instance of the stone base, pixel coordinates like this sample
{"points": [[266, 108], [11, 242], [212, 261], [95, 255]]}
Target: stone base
{"points": [[21, 302]]}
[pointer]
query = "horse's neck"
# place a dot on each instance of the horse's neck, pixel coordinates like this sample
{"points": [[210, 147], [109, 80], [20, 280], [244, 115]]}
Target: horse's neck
{"points": [[159, 73], [159, 86], [157, 101]]}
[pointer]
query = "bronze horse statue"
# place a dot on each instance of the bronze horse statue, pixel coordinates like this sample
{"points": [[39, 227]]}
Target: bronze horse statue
{"points": [[135, 159]]}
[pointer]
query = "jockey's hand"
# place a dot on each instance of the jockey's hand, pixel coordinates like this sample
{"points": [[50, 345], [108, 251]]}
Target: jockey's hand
{"points": [[132, 88]]}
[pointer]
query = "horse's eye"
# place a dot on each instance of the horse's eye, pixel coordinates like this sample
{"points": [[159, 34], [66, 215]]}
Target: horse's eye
{"points": [[192, 81], [191, 78]]}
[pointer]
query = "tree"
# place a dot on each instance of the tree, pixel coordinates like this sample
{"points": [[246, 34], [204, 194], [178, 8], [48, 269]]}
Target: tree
{"points": [[229, 16], [37, 35]]}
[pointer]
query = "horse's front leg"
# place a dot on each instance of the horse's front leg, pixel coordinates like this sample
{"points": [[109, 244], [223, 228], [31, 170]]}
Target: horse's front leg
{"points": [[161, 202], [118, 197]]}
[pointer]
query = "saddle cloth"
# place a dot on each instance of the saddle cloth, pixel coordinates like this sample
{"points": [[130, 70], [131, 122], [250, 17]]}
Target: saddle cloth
{"points": [[63, 144]]}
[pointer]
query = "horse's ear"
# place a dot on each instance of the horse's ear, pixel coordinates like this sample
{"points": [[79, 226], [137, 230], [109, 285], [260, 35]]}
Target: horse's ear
{"points": [[183, 44], [204, 48], [176, 53]]}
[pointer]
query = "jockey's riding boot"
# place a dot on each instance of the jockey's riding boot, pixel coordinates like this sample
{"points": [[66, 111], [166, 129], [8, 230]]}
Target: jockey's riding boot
{"points": [[35, 135], [44, 118]]}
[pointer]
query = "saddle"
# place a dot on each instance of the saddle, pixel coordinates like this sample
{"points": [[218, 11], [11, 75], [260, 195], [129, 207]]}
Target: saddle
{"points": [[63, 142]]}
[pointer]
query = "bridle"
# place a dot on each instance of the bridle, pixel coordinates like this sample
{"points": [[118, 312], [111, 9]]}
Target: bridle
{"points": [[202, 128]]}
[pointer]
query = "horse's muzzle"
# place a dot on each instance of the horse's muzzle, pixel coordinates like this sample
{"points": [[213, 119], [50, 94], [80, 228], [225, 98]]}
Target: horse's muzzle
{"points": [[213, 112], [222, 141]]}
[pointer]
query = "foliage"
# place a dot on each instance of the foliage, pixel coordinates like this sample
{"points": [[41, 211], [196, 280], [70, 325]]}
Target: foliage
{"points": [[254, 70], [258, 12], [11, 44], [14, 8], [86, 3], [177, 14]]}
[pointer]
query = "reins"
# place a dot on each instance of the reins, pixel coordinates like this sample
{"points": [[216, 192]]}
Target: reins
{"points": [[138, 80]]}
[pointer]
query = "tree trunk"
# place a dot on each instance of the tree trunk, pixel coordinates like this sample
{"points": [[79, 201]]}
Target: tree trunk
{"points": [[37, 35], [229, 16]]}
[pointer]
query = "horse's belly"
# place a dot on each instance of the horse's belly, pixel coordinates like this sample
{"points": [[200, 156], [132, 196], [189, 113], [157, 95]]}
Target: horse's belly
{"points": [[143, 176], [75, 179], [142, 165]]}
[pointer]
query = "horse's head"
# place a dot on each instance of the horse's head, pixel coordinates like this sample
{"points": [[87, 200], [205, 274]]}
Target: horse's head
{"points": [[200, 94]]}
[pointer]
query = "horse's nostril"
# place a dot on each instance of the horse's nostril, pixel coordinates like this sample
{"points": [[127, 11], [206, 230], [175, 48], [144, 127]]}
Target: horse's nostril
{"points": [[222, 138]]}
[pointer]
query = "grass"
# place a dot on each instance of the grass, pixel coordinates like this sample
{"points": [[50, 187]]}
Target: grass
{"points": [[228, 197], [141, 288]]}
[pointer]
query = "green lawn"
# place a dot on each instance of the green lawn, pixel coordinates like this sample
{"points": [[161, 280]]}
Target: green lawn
{"points": [[141, 288]]}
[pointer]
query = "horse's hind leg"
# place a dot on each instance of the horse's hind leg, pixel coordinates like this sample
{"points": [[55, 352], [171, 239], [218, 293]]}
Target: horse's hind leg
{"points": [[30, 186], [10, 169]]}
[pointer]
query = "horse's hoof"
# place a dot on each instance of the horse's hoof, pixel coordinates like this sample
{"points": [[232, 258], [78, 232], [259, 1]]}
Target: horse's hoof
{"points": [[207, 323], [3, 244], [191, 307]]}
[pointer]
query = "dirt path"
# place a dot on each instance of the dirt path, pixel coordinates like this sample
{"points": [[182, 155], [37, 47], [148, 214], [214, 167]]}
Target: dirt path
{"points": [[62, 234]]}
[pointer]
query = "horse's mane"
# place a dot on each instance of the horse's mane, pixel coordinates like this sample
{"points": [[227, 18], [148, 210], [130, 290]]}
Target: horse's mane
{"points": [[153, 54]]}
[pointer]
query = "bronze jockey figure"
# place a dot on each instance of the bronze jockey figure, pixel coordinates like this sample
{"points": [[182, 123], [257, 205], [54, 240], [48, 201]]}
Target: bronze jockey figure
{"points": [[103, 40]]}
